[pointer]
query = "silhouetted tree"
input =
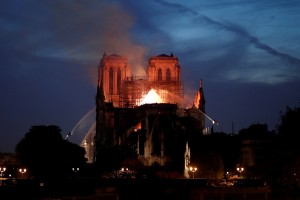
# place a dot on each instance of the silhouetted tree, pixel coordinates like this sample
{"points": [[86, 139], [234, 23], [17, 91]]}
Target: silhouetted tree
{"points": [[288, 143], [46, 154], [290, 122]]}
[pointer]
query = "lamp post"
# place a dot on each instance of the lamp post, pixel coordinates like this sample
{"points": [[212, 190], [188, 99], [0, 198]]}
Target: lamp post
{"points": [[22, 171], [2, 169], [193, 170], [75, 169], [227, 175], [240, 170], [123, 169], [124, 172]]}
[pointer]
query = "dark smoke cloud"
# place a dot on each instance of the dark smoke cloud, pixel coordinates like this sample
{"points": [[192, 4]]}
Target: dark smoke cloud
{"points": [[234, 29]]}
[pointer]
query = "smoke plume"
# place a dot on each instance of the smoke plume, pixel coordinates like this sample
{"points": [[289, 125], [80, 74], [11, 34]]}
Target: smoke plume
{"points": [[101, 26], [115, 37]]}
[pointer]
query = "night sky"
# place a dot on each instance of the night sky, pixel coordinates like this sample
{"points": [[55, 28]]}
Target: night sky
{"points": [[247, 52]]}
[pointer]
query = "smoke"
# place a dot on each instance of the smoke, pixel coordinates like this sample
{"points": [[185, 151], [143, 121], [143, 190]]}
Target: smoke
{"points": [[234, 29], [115, 37], [86, 29]]}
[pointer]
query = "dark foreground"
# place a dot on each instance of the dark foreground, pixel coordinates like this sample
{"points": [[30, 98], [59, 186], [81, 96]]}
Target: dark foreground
{"points": [[135, 189]]}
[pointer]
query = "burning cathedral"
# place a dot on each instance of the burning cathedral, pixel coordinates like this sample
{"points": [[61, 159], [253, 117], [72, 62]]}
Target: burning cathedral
{"points": [[143, 116]]}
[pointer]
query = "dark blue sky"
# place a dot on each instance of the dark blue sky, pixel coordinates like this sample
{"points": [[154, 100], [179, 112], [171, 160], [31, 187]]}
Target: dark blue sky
{"points": [[247, 53]]}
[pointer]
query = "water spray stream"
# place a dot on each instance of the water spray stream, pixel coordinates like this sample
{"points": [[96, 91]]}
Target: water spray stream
{"points": [[81, 122], [214, 122]]}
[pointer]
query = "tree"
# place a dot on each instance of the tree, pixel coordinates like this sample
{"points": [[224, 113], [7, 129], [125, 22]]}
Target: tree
{"points": [[288, 142], [290, 122], [46, 154]]}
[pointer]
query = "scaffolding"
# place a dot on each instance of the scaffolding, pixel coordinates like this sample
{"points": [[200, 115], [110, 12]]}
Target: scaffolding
{"points": [[134, 88], [132, 91]]}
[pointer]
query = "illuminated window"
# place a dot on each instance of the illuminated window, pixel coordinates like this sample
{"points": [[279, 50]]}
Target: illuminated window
{"points": [[168, 75], [159, 75]]}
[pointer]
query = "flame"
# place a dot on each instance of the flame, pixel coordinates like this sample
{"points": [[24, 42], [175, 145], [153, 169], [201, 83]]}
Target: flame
{"points": [[151, 97]]}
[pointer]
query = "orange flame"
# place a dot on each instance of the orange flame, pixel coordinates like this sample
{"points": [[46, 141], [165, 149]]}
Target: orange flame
{"points": [[151, 97]]}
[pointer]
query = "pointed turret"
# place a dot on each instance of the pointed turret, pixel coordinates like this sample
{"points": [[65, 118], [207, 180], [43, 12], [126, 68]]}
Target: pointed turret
{"points": [[202, 99], [100, 91], [187, 157], [199, 100]]}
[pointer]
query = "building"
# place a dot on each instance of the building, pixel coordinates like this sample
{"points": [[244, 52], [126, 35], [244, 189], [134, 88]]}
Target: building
{"points": [[144, 115], [125, 90]]}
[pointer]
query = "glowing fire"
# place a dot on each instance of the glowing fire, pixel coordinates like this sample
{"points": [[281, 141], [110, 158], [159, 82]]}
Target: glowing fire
{"points": [[151, 97]]}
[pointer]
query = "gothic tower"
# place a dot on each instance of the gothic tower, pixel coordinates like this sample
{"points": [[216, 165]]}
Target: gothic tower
{"points": [[104, 137], [164, 75], [115, 69], [164, 68]]}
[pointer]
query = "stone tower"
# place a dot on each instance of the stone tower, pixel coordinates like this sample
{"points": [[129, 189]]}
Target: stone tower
{"points": [[164, 75], [163, 68], [115, 69]]}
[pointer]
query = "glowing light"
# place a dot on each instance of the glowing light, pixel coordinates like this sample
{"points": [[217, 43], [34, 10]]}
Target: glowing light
{"points": [[151, 97]]}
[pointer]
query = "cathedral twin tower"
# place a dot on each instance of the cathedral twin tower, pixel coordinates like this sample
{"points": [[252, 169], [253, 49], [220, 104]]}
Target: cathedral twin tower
{"points": [[157, 131], [126, 90]]}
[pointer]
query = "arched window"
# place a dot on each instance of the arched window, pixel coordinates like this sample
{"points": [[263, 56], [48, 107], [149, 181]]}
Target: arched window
{"points": [[118, 81], [111, 81], [159, 75], [168, 75]]}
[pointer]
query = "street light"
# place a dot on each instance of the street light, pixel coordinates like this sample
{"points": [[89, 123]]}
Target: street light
{"points": [[124, 172], [22, 171], [75, 169], [193, 170], [240, 170], [124, 169], [227, 175], [2, 169]]}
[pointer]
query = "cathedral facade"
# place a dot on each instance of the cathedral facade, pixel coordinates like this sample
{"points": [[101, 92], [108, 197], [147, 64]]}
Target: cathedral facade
{"points": [[126, 90], [155, 132]]}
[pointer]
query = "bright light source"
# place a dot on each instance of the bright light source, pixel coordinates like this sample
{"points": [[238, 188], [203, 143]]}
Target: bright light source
{"points": [[151, 97]]}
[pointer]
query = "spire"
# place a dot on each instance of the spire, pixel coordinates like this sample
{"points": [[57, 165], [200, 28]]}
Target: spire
{"points": [[202, 99], [100, 91], [199, 100], [104, 54]]}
